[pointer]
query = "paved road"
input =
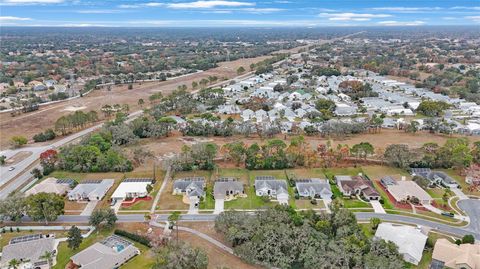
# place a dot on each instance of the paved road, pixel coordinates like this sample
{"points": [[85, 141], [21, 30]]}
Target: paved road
{"points": [[6, 176], [472, 209]]}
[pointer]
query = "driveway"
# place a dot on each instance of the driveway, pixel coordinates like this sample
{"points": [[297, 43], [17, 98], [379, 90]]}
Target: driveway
{"points": [[192, 209], [458, 192], [219, 206], [87, 211], [377, 207]]}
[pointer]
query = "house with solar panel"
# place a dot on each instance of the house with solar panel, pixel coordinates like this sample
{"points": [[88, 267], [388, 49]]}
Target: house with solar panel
{"points": [[90, 190], [131, 188], [276, 189], [52, 185], [228, 188], [28, 250], [313, 188], [192, 189], [110, 253]]}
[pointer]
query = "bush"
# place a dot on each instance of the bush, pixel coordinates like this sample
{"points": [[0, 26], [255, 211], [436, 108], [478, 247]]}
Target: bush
{"points": [[468, 239], [135, 237]]}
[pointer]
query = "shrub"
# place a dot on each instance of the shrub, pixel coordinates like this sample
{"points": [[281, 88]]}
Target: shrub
{"points": [[135, 237]]}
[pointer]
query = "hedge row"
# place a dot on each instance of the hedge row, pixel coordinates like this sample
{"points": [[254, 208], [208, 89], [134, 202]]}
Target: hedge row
{"points": [[135, 237]]}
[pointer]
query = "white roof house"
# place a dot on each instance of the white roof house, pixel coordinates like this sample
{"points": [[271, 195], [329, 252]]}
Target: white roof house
{"points": [[410, 240], [404, 190], [132, 188], [92, 190]]}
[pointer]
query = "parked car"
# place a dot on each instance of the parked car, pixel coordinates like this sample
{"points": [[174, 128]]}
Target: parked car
{"points": [[11, 168], [448, 214]]}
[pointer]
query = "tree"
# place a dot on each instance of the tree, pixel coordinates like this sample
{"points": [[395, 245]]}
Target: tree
{"points": [[13, 207], [468, 239], [240, 70], [45, 206], [74, 237], [130, 86], [36, 173], [48, 159], [180, 255], [105, 217], [18, 141], [2, 159], [141, 102], [362, 150], [412, 127], [47, 256], [398, 155], [432, 108], [374, 222], [174, 218], [13, 263]]}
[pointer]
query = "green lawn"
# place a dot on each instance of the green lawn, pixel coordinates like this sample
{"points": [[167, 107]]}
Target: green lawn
{"points": [[252, 201], [208, 202], [354, 203], [145, 259]]}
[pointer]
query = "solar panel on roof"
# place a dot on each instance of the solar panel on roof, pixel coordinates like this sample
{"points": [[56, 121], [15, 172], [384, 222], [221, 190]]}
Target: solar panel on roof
{"points": [[65, 181], [138, 180], [25, 238], [91, 181], [264, 178]]}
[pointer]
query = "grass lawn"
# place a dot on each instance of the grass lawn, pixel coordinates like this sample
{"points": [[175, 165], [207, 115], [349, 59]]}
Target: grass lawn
{"points": [[367, 229], [435, 192], [306, 204], [386, 202], [376, 172], [208, 202], [145, 259], [354, 203], [252, 201]]}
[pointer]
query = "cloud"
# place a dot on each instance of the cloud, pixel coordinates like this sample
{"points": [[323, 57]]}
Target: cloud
{"points": [[260, 10], [407, 9], [99, 11], [225, 23], [468, 8], [209, 4], [401, 23], [13, 19], [473, 18], [352, 16], [151, 4], [29, 2]]}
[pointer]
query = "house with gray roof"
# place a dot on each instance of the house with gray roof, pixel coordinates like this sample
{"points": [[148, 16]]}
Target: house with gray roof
{"points": [[28, 250], [90, 190], [192, 187], [271, 187], [314, 188], [110, 253], [227, 188], [435, 177]]}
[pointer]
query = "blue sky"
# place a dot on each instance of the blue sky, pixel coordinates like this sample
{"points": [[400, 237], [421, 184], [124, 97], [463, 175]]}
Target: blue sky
{"points": [[228, 13]]}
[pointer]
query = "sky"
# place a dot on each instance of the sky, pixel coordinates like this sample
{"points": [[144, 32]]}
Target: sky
{"points": [[238, 13]]}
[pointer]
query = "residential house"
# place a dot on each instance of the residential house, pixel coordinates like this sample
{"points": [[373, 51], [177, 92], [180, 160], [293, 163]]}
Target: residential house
{"points": [[387, 181], [110, 253], [52, 185], [193, 188], [405, 190], [410, 240], [450, 255], [227, 188], [90, 190], [269, 186], [357, 185], [314, 188], [435, 177], [28, 250], [131, 188]]}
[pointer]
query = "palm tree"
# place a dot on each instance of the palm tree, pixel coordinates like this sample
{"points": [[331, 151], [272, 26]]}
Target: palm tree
{"points": [[48, 257], [14, 263]]}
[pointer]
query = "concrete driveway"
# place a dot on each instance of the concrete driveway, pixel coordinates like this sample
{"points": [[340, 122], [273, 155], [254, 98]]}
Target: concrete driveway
{"points": [[377, 207], [458, 192], [87, 211], [219, 206]]}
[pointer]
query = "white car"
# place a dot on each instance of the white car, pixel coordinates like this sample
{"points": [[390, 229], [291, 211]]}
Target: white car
{"points": [[11, 168]]}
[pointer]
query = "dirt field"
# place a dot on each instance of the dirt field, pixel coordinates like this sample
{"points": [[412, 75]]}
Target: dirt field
{"points": [[32, 123], [173, 144]]}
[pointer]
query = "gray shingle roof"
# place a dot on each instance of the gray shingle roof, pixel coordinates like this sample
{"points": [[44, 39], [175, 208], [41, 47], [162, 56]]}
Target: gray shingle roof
{"points": [[226, 185], [28, 249]]}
